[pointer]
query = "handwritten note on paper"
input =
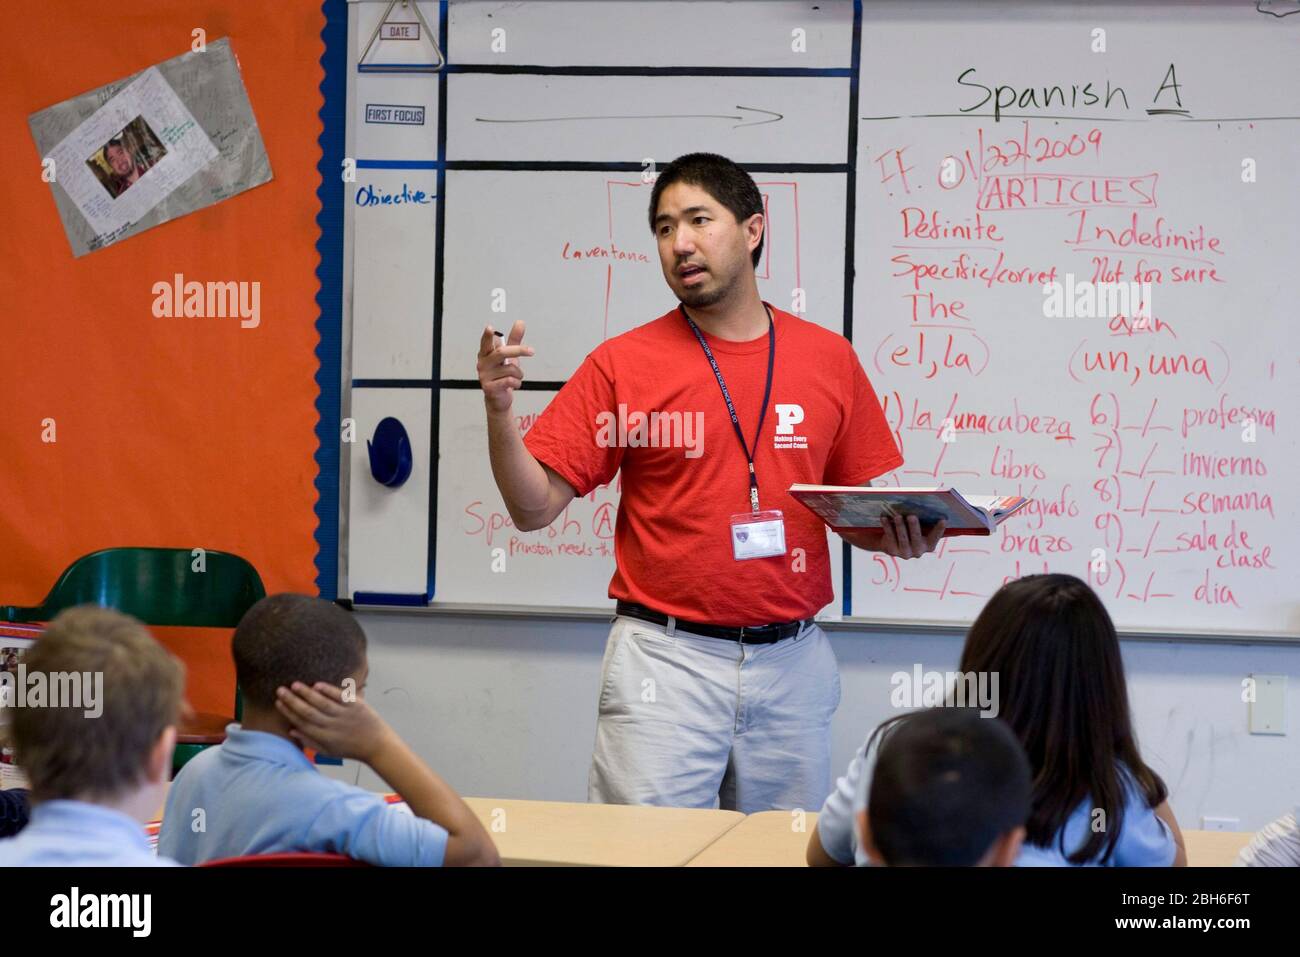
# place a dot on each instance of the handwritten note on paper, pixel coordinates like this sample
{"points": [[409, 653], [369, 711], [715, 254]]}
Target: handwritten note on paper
{"points": [[165, 142]]}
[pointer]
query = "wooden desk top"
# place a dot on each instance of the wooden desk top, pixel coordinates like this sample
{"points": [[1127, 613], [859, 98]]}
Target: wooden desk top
{"points": [[1214, 848], [564, 833], [765, 839], [567, 834]]}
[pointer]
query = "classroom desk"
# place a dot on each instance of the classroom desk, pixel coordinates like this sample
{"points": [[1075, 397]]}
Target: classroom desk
{"points": [[764, 839], [574, 834], [598, 835], [1214, 848], [568, 834]]}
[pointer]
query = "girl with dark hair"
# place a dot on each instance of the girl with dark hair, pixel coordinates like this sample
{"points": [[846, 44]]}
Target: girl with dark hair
{"points": [[1061, 677], [1062, 691]]}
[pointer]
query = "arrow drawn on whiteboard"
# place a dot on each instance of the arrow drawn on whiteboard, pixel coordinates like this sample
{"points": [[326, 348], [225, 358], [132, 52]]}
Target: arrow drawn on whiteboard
{"points": [[649, 116]]}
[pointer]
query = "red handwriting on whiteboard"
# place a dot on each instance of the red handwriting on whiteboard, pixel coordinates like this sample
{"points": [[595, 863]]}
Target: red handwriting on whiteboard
{"points": [[1128, 368], [609, 252], [1005, 192], [945, 588], [1106, 269], [976, 421], [994, 154], [586, 531], [892, 167], [1143, 231], [1223, 416], [970, 269], [1028, 148], [1231, 546], [960, 351], [1040, 508], [1121, 325]]}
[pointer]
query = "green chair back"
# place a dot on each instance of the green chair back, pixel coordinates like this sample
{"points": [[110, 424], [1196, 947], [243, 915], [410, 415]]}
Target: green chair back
{"points": [[159, 586]]}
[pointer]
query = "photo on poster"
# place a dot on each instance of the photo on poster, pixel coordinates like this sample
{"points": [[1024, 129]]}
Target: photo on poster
{"points": [[120, 162]]}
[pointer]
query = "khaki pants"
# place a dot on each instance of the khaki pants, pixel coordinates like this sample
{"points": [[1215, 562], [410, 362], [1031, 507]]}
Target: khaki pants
{"points": [[690, 721]]}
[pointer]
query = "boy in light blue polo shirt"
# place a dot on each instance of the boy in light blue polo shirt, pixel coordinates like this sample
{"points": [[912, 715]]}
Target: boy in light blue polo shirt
{"points": [[98, 751], [301, 667]]}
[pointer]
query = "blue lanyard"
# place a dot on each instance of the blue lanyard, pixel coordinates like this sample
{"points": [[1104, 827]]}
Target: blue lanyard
{"points": [[731, 409]]}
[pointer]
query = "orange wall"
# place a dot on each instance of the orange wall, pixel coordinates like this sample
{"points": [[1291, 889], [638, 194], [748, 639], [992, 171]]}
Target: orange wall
{"points": [[172, 432]]}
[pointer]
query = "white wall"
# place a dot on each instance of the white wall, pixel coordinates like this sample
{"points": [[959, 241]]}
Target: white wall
{"points": [[506, 707]]}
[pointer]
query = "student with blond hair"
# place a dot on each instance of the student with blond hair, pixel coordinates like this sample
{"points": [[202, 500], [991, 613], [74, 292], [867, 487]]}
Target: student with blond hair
{"points": [[98, 751]]}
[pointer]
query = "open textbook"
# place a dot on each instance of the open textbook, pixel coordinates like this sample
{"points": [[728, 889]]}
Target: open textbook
{"points": [[847, 507]]}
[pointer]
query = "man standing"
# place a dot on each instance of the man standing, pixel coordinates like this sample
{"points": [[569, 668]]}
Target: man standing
{"points": [[717, 685]]}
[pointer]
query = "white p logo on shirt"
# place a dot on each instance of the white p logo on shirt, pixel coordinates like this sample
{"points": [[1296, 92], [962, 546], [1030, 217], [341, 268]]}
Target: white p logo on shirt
{"points": [[787, 417]]}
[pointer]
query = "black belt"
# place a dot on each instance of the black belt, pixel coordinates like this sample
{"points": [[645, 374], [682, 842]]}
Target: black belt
{"points": [[748, 634]]}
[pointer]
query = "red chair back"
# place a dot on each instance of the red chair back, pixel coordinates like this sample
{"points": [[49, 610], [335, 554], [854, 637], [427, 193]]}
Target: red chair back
{"points": [[296, 859]]}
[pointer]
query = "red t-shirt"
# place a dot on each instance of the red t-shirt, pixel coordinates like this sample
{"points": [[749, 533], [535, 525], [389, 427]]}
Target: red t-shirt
{"points": [[672, 538]]}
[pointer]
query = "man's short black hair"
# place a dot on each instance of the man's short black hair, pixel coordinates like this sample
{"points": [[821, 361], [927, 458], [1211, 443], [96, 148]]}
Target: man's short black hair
{"points": [[286, 638], [947, 784], [720, 178]]}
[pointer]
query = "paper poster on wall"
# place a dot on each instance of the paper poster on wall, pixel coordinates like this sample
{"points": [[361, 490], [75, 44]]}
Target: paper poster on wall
{"points": [[135, 151], [162, 143]]}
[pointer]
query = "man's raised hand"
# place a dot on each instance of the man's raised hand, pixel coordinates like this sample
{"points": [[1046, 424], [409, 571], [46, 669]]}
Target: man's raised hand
{"points": [[499, 372]]}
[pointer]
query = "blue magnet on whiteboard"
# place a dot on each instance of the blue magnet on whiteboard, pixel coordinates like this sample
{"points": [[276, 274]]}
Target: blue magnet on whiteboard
{"points": [[390, 453]]}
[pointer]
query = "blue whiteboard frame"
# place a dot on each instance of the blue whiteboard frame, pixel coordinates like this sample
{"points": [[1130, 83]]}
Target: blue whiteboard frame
{"points": [[329, 298]]}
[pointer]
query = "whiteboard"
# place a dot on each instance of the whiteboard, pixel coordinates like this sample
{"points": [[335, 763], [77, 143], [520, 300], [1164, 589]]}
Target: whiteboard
{"points": [[587, 269], [1145, 481], [540, 174]]}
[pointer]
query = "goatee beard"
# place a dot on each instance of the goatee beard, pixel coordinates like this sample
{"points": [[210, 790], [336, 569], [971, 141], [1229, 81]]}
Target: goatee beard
{"points": [[700, 298]]}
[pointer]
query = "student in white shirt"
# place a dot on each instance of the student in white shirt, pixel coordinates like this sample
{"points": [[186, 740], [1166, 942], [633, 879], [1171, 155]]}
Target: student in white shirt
{"points": [[1277, 845], [98, 759]]}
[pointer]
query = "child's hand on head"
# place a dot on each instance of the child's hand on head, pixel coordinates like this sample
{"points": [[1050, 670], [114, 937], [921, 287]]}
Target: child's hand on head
{"points": [[324, 720]]}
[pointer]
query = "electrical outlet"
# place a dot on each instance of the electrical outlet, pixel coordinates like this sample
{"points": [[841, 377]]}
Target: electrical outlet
{"points": [[1220, 824], [1268, 710]]}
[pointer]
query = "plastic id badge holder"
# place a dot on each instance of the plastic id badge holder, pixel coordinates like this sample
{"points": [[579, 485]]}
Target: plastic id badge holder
{"points": [[757, 535]]}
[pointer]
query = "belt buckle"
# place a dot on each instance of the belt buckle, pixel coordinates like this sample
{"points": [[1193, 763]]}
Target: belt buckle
{"points": [[742, 634]]}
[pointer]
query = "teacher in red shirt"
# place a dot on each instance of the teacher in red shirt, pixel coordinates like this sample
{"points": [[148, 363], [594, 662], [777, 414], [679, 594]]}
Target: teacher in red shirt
{"points": [[717, 685]]}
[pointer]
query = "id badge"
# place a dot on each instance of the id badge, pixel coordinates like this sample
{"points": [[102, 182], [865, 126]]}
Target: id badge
{"points": [[757, 535]]}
